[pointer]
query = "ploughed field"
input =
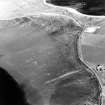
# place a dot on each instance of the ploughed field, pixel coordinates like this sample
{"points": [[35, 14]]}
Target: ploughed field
{"points": [[41, 55]]}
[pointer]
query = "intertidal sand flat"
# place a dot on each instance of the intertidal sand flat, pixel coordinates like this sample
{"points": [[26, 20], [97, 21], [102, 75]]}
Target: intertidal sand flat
{"points": [[45, 61]]}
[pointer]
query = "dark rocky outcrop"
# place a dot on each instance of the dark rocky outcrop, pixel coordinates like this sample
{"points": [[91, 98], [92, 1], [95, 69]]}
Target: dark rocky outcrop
{"points": [[88, 7]]}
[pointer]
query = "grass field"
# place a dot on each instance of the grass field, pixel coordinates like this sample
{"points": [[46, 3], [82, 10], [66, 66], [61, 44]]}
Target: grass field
{"points": [[93, 48]]}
